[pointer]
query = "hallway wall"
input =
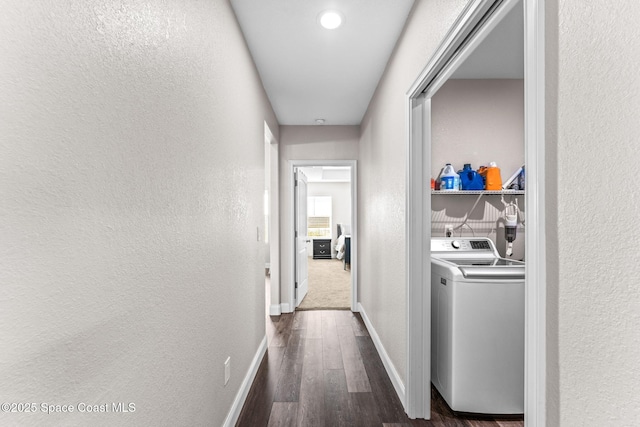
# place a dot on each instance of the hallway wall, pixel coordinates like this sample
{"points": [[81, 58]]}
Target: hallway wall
{"points": [[306, 143], [593, 304], [382, 193], [131, 142]]}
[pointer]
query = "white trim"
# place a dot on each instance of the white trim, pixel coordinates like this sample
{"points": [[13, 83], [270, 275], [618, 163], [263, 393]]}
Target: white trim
{"points": [[285, 307], [535, 249], [290, 227], [354, 237], [418, 401], [241, 396], [275, 310], [468, 18], [435, 73], [460, 56], [396, 380], [353, 164], [274, 222]]}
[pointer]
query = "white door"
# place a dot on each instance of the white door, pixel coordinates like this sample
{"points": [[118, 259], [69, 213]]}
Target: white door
{"points": [[302, 273]]}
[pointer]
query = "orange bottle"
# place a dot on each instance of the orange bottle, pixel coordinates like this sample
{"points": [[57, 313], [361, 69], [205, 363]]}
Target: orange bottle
{"points": [[491, 175]]}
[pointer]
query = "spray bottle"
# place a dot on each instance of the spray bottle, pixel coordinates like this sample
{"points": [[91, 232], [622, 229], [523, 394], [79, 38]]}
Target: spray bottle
{"points": [[510, 224]]}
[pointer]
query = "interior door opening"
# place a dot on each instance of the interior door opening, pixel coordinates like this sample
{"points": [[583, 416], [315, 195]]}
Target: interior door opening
{"points": [[465, 62], [481, 106], [324, 230]]}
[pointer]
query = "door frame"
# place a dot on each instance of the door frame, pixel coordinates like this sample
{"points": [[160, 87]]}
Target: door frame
{"points": [[274, 222], [354, 224], [418, 278], [300, 178]]}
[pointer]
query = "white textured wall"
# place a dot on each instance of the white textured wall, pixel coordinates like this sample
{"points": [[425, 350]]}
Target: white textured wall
{"points": [[382, 177], [306, 143], [477, 121], [593, 99], [129, 154]]}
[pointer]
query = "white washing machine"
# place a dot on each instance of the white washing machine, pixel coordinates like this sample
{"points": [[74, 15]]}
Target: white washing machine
{"points": [[477, 326]]}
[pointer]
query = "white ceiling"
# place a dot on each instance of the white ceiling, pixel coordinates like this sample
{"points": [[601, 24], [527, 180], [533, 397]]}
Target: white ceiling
{"points": [[501, 54], [327, 173], [312, 73]]}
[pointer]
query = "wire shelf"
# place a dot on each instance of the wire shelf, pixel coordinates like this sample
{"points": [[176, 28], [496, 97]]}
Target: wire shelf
{"points": [[477, 192]]}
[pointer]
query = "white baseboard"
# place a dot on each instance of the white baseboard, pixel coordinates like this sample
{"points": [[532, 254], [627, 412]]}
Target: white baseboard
{"points": [[284, 308], [275, 310], [238, 402], [398, 385]]}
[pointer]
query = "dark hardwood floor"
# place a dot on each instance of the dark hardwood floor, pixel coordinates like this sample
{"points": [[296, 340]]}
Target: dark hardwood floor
{"points": [[322, 369]]}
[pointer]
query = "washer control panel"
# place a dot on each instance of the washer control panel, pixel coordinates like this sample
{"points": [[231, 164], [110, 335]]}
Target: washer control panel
{"points": [[481, 244]]}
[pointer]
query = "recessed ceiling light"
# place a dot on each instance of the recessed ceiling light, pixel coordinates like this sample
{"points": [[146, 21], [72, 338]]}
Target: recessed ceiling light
{"points": [[320, 121], [330, 19]]}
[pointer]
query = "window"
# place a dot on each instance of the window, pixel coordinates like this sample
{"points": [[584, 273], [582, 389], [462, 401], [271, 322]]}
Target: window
{"points": [[319, 216]]}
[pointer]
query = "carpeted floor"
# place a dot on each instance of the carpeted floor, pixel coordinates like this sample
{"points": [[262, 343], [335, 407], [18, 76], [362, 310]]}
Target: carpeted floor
{"points": [[329, 286]]}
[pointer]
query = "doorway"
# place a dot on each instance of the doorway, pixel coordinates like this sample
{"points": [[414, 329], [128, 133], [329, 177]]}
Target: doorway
{"points": [[474, 25], [325, 248], [328, 242]]}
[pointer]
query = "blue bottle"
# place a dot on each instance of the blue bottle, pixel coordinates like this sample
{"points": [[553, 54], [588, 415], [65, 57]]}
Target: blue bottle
{"points": [[470, 179]]}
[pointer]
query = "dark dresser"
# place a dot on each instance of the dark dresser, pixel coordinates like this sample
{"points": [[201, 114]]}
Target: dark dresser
{"points": [[321, 248]]}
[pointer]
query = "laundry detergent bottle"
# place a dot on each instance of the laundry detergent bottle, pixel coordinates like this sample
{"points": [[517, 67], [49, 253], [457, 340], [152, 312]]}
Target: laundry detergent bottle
{"points": [[492, 178], [449, 180], [470, 179]]}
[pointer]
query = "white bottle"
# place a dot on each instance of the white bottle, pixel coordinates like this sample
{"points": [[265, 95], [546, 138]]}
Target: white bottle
{"points": [[450, 180]]}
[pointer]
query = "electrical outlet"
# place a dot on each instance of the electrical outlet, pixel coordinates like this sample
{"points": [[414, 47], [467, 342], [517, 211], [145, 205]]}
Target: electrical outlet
{"points": [[227, 370], [448, 230]]}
